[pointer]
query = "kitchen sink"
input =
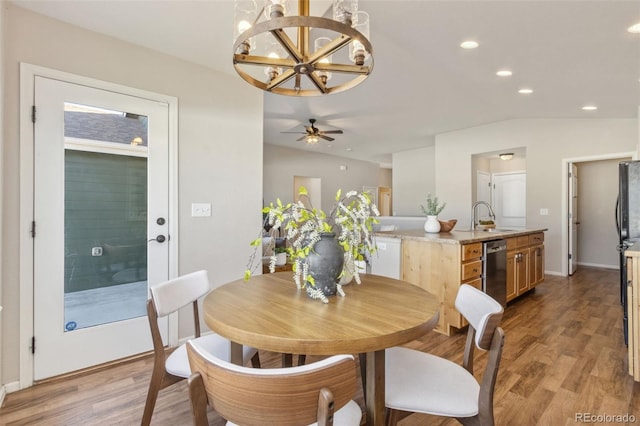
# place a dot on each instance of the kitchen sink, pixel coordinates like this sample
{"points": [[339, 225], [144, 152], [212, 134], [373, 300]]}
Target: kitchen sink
{"points": [[486, 230]]}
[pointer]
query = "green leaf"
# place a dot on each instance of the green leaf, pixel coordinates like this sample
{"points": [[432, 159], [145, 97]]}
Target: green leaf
{"points": [[303, 191], [256, 242], [338, 194], [247, 275]]}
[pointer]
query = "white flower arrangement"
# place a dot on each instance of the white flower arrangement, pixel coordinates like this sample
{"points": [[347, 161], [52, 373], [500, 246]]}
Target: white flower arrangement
{"points": [[351, 219]]}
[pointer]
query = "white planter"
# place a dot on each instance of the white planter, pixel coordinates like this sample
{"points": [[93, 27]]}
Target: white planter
{"points": [[432, 225]]}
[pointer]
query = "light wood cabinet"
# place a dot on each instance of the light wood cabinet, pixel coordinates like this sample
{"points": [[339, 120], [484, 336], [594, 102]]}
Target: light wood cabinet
{"points": [[525, 263], [441, 265], [441, 268], [632, 265]]}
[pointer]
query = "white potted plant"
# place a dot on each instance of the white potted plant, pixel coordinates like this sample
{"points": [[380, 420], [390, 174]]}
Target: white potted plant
{"points": [[432, 209]]}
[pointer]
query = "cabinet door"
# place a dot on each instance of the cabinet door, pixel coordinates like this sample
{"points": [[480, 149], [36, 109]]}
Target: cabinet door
{"points": [[536, 265], [512, 291], [522, 271]]}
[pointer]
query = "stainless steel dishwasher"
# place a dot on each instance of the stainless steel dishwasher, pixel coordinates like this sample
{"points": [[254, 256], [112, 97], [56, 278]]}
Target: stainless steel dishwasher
{"points": [[494, 270]]}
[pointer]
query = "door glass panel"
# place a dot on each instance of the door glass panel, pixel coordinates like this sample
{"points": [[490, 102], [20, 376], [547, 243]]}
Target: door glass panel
{"points": [[105, 216]]}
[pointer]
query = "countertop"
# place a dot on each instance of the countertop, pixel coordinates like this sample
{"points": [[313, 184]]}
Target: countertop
{"points": [[456, 236]]}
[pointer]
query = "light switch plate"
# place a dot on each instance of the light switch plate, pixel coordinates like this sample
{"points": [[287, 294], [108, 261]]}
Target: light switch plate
{"points": [[200, 209], [544, 212]]}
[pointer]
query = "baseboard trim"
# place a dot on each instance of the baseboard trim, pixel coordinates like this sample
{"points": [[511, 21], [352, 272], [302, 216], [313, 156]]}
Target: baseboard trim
{"points": [[11, 387], [597, 265]]}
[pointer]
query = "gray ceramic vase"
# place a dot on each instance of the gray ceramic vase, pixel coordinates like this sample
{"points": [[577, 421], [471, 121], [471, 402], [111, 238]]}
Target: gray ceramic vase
{"points": [[325, 263]]}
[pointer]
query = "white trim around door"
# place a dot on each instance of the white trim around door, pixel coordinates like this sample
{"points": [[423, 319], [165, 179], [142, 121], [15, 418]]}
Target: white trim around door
{"points": [[28, 73], [564, 214]]}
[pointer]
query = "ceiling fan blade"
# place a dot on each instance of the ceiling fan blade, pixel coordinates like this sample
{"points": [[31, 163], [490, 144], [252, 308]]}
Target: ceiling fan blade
{"points": [[331, 132], [325, 137], [300, 133], [302, 138]]}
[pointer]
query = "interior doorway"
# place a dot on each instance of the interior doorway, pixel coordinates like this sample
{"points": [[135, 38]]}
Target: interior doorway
{"points": [[593, 241]]}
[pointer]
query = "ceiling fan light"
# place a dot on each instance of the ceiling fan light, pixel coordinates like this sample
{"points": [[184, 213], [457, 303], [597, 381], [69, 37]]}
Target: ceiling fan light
{"points": [[312, 139]]}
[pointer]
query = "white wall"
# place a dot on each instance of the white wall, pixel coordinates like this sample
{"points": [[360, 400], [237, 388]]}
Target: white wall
{"points": [[547, 143], [220, 148], [597, 233], [414, 176], [281, 164]]}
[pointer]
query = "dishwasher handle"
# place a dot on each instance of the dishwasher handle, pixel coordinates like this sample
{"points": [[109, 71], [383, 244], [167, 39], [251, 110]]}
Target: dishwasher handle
{"points": [[496, 249]]}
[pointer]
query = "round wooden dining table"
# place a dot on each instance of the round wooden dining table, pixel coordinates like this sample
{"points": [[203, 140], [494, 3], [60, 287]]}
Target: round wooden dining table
{"points": [[268, 312]]}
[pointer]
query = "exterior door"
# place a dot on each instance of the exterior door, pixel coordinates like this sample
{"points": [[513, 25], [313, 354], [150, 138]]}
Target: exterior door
{"points": [[573, 218], [100, 212]]}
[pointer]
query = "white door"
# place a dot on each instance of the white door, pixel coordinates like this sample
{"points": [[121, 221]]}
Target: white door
{"points": [[573, 218], [510, 199], [483, 192], [101, 202]]}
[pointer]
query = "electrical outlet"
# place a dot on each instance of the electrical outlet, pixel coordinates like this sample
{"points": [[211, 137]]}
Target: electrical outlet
{"points": [[200, 209], [96, 251], [544, 212]]}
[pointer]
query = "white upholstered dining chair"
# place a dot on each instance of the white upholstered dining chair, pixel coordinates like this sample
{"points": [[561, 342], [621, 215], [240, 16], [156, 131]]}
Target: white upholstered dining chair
{"points": [[167, 297], [319, 393], [418, 382]]}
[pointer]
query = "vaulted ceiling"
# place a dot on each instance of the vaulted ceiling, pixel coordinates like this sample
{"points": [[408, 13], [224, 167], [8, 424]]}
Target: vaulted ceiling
{"points": [[571, 53]]}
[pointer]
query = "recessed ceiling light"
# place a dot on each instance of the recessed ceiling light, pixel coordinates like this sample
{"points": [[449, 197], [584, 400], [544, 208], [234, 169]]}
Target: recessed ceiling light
{"points": [[469, 44], [525, 91], [349, 150], [504, 73], [634, 29], [589, 107]]}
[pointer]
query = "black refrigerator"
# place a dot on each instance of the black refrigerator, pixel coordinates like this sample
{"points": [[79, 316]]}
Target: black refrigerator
{"points": [[628, 223]]}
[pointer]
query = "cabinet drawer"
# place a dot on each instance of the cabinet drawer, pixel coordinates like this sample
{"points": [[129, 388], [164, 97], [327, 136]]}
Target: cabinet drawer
{"points": [[535, 239], [522, 241], [471, 270], [477, 283], [471, 251], [512, 243]]}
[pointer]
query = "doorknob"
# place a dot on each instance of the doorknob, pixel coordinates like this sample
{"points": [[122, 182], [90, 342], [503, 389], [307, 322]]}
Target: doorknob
{"points": [[159, 238], [161, 221]]}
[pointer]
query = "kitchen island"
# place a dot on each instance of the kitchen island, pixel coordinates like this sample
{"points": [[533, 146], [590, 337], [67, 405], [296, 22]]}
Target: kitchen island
{"points": [[441, 262]]}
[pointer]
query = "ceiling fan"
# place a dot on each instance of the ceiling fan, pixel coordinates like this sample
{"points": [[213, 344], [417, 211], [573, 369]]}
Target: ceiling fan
{"points": [[312, 133]]}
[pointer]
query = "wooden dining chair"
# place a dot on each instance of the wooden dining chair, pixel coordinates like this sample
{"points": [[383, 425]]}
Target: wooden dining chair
{"points": [[417, 382], [167, 297], [317, 393]]}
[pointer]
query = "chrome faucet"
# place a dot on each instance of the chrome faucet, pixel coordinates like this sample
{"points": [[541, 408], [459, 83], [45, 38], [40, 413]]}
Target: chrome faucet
{"points": [[474, 213]]}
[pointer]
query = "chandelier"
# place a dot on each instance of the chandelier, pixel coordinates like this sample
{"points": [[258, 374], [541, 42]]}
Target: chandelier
{"points": [[301, 55]]}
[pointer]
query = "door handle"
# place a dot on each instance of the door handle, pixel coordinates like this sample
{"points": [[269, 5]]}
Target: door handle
{"points": [[159, 238]]}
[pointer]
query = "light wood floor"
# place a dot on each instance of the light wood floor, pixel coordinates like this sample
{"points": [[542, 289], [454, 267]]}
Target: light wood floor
{"points": [[564, 354]]}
